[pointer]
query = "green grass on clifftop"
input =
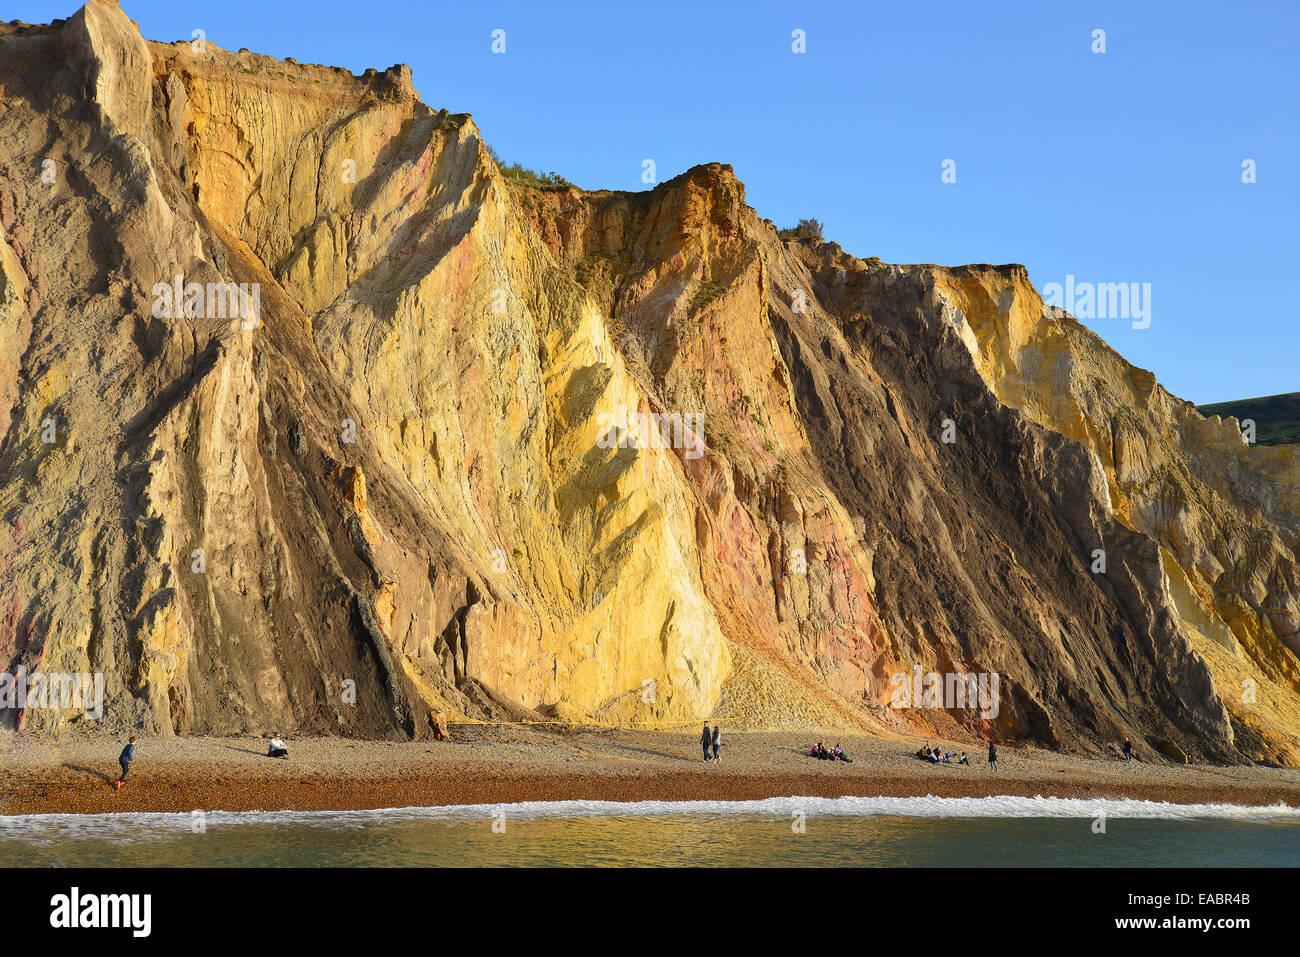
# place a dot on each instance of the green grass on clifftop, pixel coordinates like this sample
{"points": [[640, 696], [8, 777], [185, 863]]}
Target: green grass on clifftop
{"points": [[1277, 417]]}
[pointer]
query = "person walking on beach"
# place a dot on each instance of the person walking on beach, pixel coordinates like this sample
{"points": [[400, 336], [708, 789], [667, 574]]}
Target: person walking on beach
{"points": [[993, 756], [706, 739], [717, 743], [125, 759], [1128, 750]]}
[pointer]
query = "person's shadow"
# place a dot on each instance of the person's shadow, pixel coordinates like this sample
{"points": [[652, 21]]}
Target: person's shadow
{"points": [[93, 772], [651, 751], [260, 754]]}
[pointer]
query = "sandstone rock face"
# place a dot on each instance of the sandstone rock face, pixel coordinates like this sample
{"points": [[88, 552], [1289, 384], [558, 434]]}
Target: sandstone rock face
{"points": [[470, 449], [1224, 514]]}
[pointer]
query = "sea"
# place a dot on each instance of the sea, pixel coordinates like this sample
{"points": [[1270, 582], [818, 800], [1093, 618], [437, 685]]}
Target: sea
{"points": [[793, 831]]}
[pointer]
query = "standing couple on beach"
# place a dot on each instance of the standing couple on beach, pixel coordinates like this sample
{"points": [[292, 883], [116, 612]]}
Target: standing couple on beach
{"points": [[711, 739]]}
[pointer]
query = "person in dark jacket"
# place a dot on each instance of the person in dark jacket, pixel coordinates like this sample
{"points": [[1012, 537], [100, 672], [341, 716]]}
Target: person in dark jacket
{"points": [[993, 756], [706, 740], [125, 759], [1128, 750]]}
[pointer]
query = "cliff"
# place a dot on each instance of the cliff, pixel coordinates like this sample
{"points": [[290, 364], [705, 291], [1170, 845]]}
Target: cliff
{"points": [[1276, 417], [519, 453]]}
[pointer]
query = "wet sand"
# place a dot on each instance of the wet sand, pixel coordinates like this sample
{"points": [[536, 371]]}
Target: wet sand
{"points": [[499, 764]]}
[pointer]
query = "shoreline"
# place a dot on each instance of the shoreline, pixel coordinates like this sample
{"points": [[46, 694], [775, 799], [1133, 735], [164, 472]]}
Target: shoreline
{"points": [[180, 794], [486, 765]]}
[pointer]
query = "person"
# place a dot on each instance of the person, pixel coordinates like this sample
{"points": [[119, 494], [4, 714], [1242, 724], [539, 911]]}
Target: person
{"points": [[706, 739], [934, 755], [277, 748], [717, 742], [963, 759], [1128, 750], [125, 759], [841, 755], [993, 756]]}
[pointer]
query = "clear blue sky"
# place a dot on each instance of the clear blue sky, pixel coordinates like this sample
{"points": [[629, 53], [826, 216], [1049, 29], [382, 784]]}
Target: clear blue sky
{"points": [[1115, 167]]}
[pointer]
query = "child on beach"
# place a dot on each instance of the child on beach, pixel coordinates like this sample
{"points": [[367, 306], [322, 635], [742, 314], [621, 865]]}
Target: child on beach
{"points": [[125, 759]]}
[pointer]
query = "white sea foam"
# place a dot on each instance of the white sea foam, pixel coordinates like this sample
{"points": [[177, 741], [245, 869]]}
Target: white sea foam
{"points": [[151, 826]]}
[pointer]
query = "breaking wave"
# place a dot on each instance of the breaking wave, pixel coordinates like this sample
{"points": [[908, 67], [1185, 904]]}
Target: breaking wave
{"points": [[146, 826]]}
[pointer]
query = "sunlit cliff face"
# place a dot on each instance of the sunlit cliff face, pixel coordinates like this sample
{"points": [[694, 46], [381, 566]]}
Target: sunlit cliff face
{"points": [[527, 453]]}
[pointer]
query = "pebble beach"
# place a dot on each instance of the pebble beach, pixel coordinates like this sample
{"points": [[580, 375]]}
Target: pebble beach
{"points": [[494, 764]]}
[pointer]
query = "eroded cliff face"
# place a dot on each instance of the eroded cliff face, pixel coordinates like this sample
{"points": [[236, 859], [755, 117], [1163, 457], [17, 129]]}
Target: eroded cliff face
{"points": [[429, 474], [1225, 514]]}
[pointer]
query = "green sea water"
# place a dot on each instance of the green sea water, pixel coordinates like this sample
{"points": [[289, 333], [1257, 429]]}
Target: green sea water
{"points": [[843, 832]]}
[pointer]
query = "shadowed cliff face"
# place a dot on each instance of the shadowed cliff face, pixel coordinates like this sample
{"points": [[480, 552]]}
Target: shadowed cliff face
{"points": [[518, 453], [1224, 514]]}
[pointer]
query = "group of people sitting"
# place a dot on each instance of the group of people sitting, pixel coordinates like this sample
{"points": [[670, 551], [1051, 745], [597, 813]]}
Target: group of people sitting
{"points": [[935, 756], [836, 753]]}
